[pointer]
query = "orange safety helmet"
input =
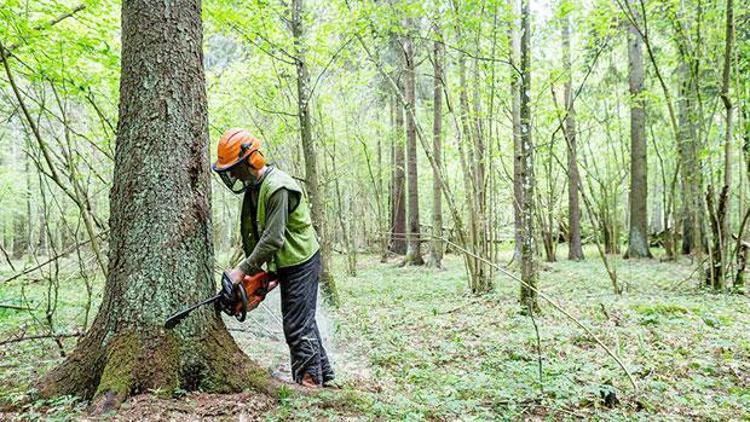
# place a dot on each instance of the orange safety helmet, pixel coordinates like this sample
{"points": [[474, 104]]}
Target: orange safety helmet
{"points": [[237, 146]]}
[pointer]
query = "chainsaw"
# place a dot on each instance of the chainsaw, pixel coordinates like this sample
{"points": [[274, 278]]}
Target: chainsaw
{"points": [[233, 299]]}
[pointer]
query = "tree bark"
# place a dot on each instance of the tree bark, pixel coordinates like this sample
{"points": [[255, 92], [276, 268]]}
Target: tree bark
{"points": [[413, 250], [23, 222], [398, 188], [382, 204], [690, 181], [398, 182], [19, 235], [724, 234], [436, 245], [746, 132], [160, 252], [575, 249], [482, 279], [317, 207], [468, 162], [745, 126], [529, 273], [515, 92], [638, 198]]}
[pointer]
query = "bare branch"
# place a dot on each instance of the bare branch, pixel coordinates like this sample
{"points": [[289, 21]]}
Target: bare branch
{"points": [[55, 337]]}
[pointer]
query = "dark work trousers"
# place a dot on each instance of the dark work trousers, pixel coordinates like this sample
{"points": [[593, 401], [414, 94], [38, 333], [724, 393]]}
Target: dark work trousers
{"points": [[299, 296]]}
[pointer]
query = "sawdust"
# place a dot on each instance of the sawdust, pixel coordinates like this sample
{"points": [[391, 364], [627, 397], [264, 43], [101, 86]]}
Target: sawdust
{"points": [[261, 337]]}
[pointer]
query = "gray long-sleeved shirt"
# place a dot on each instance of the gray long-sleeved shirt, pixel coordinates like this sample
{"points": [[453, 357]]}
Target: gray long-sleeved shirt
{"points": [[279, 205]]}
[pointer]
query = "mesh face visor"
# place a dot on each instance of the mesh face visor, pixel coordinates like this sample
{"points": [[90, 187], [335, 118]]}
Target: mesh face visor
{"points": [[234, 184]]}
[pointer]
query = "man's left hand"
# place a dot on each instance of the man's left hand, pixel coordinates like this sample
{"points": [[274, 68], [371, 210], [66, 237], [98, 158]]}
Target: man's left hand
{"points": [[236, 275]]}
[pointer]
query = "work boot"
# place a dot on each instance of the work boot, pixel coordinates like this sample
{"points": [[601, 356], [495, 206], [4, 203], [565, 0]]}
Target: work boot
{"points": [[308, 381]]}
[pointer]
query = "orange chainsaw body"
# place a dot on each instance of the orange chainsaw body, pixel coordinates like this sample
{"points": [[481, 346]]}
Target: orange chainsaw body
{"points": [[257, 287]]}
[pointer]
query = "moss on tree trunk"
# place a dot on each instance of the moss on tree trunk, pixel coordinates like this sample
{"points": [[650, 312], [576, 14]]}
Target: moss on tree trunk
{"points": [[160, 252]]}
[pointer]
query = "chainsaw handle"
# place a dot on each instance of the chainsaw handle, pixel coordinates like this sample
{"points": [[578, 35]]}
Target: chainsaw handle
{"points": [[250, 292], [260, 283], [243, 305]]}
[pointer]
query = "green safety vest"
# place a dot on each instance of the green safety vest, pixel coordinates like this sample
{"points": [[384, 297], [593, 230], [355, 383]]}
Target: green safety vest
{"points": [[300, 240]]}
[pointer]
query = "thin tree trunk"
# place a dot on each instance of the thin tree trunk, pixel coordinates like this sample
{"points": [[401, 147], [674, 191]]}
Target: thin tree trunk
{"points": [[43, 245], [467, 164], [723, 211], [317, 207], [529, 270], [515, 93], [19, 235], [692, 198], [382, 206], [744, 105], [458, 226], [638, 199], [398, 192], [436, 245], [413, 250], [347, 230], [575, 249], [483, 280]]}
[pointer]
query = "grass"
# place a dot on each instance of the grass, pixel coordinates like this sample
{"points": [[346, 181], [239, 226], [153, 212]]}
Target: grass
{"points": [[423, 347], [436, 351]]}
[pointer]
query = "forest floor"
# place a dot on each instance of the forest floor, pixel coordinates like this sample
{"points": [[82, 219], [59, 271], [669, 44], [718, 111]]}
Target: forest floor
{"points": [[420, 346]]}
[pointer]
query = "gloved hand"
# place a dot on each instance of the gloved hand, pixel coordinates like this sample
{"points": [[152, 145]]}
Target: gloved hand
{"points": [[236, 275], [237, 298]]}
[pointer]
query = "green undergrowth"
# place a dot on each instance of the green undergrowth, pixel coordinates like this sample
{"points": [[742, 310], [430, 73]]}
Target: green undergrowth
{"points": [[21, 363], [434, 351], [412, 343]]}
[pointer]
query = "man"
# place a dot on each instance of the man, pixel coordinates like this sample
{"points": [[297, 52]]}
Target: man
{"points": [[277, 231]]}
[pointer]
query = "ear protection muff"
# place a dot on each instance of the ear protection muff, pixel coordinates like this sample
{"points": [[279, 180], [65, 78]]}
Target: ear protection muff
{"points": [[256, 159]]}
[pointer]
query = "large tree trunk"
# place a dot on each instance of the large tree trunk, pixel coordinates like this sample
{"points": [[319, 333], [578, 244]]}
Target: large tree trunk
{"points": [[638, 199], [413, 250], [529, 272], [160, 254], [436, 245], [575, 249], [317, 207]]}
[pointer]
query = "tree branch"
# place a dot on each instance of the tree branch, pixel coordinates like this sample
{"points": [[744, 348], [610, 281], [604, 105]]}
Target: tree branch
{"points": [[53, 22], [55, 337], [53, 259]]}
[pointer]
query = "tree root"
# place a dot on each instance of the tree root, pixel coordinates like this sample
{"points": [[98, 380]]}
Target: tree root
{"points": [[107, 369]]}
